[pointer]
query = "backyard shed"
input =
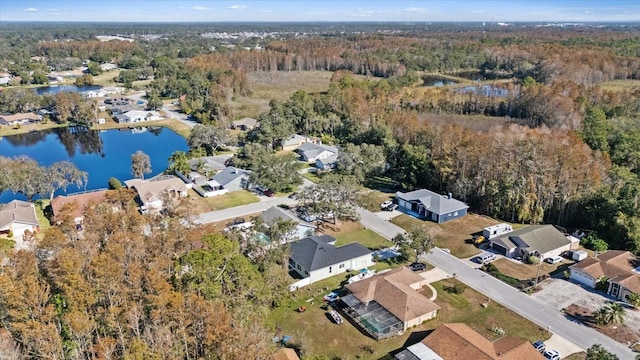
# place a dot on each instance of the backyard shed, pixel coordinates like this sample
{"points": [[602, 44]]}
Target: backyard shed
{"points": [[579, 255]]}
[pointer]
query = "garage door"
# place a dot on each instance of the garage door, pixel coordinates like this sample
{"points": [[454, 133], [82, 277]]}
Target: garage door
{"points": [[582, 279], [500, 249]]}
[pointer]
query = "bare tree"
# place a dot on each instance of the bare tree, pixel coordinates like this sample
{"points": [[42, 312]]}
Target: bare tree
{"points": [[140, 164]]}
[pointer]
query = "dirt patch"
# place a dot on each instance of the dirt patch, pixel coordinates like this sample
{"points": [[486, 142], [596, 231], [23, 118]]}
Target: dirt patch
{"points": [[454, 235], [619, 332], [341, 227], [522, 271]]}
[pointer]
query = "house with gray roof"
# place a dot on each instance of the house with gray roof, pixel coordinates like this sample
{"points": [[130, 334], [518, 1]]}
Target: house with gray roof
{"points": [[310, 152], [327, 163], [427, 205], [275, 214], [232, 178], [316, 257], [18, 216], [244, 124], [543, 241]]}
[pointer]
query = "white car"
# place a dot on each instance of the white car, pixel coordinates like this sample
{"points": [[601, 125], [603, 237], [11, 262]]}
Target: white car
{"points": [[385, 204], [552, 355]]}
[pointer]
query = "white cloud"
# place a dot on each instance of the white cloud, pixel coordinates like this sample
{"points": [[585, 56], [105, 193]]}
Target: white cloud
{"points": [[237, 7], [416, 10], [199, 8], [30, 9]]}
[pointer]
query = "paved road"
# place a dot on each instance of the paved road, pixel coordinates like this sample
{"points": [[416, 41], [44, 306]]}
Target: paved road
{"points": [[525, 305], [239, 211], [383, 227]]}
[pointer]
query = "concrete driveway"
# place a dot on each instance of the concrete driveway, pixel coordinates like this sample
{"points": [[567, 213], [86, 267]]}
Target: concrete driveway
{"points": [[565, 347]]}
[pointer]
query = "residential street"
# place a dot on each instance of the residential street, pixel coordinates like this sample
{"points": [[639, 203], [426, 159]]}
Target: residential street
{"points": [[525, 305], [239, 211], [383, 227]]}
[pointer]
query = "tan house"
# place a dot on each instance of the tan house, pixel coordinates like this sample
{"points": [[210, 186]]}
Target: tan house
{"points": [[294, 142], [389, 303], [543, 241], [20, 118], [18, 216], [620, 268], [80, 201], [151, 193], [459, 341]]}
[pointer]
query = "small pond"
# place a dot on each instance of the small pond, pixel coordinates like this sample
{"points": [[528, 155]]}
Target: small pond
{"points": [[54, 89], [437, 81]]}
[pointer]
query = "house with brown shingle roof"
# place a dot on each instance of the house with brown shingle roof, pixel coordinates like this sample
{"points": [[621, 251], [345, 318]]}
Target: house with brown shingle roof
{"points": [[151, 192], [18, 216], [459, 341], [79, 201], [389, 303], [620, 268]]}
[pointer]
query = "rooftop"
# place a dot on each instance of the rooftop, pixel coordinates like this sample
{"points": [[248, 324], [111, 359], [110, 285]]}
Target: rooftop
{"points": [[439, 204], [317, 252]]}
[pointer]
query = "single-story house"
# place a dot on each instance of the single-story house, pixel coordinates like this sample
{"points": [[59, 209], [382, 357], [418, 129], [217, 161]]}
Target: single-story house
{"points": [[389, 303], [18, 216], [427, 205], [327, 163], [244, 124], [209, 165], [459, 341], [294, 141], [151, 192], [232, 178], [302, 229], [543, 241], [133, 116], [81, 201], [19, 118], [310, 152], [316, 257], [620, 268], [108, 67]]}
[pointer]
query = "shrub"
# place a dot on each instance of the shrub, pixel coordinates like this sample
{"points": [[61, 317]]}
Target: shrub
{"points": [[457, 289], [533, 260], [114, 183], [10, 234]]}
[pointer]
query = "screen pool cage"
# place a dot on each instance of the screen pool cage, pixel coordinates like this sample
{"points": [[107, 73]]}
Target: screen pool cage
{"points": [[372, 317]]}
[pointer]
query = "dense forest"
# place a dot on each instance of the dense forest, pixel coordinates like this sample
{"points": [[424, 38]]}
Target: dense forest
{"points": [[551, 141]]}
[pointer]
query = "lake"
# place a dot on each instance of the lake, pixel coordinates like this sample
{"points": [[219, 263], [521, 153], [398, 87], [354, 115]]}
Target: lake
{"points": [[102, 154], [54, 89], [437, 81]]}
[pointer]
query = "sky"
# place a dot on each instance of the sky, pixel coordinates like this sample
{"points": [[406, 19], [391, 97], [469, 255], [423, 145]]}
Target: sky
{"points": [[320, 10]]}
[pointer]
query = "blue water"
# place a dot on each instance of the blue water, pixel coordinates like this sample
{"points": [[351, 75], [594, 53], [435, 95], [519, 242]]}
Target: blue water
{"points": [[54, 89], [102, 155]]}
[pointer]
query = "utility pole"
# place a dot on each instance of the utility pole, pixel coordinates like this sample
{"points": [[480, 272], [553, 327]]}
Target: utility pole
{"points": [[538, 270]]}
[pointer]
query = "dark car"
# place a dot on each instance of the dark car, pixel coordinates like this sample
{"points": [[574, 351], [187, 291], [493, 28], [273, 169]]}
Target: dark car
{"points": [[392, 207], [268, 193], [237, 221], [540, 346], [416, 266]]}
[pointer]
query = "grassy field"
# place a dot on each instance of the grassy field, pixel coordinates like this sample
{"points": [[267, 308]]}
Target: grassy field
{"points": [[371, 199], [316, 333], [454, 235], [620, 85], [348, 232], [232, 199], [279, 85], [43, 222]]}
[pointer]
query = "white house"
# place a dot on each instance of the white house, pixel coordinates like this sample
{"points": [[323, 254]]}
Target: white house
{"points": [[302, 229], [310, 152], [316, 257], [18, 216], [133, 116]]}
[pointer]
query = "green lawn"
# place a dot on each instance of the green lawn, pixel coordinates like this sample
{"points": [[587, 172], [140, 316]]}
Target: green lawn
{"points": [[6, 245], [312, 176], [365, 237], [232, 199], [43, 221]]}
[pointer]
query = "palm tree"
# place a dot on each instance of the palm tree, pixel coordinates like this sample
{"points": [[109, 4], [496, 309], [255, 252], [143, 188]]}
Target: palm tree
{"points": [[634, 299], [616, 313], [610, 314]]}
